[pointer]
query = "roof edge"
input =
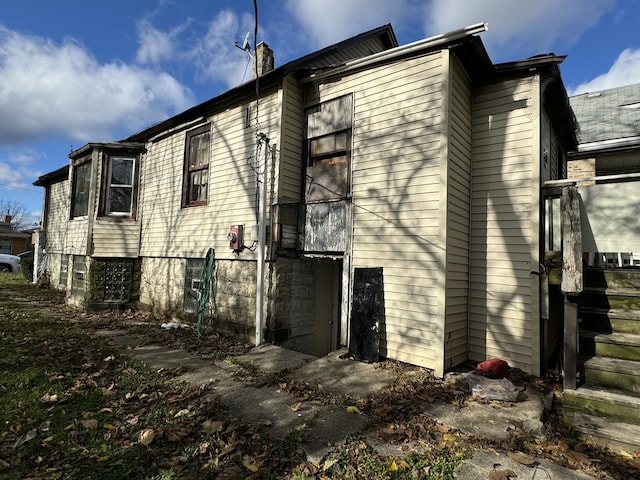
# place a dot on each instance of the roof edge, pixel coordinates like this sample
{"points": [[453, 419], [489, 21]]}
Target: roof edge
{"points": [[54, 176]]}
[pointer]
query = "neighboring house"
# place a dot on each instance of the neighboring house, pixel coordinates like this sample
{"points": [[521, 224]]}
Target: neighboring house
{"points": [[609, 148], [601, 321], [12, 241], [404, 186]]}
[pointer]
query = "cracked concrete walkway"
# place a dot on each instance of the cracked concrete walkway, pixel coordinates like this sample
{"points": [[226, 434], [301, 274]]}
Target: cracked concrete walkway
{"points": [[320, 426]]}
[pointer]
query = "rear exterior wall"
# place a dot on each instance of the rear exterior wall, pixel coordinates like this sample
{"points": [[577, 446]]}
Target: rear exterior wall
{"points": [[505, 191], [397, 193]]}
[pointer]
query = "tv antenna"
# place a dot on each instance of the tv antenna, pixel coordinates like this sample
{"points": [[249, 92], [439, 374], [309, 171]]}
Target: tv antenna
{"points": [[246, 46]]}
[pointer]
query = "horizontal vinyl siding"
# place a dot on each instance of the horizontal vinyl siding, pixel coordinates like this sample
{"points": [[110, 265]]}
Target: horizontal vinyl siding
{"points": [[458, 216], [76, 241], [504, 194], [115, 239], [396, 192], [289, 180], [57, 217], [171, 231]]}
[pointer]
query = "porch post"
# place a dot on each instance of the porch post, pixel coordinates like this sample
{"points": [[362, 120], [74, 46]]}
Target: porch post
{"points": [[572, 281]]}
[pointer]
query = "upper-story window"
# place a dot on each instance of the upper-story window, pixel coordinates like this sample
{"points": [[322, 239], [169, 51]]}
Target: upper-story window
{"points": [[328, 136], [80, 187], [120, 186], [195, 190]]}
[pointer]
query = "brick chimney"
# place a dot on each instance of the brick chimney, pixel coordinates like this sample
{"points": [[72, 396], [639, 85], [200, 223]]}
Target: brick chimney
{"points": [[263, 59]]}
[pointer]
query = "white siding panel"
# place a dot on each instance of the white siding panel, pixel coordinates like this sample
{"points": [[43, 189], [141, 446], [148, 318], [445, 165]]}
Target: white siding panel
{"points": [[171, 231], [57, 217], [502, 298], [396, 196], [289, 182], [76, 241], [115, 239], [458, 213]]}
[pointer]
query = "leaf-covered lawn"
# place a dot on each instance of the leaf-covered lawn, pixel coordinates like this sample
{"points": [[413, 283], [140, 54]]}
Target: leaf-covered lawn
{"points": [[73, 406]]}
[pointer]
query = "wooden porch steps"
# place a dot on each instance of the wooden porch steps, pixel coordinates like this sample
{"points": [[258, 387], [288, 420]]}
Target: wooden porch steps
{"points": [[611, 297], [605, 408], [621, 345], [613, 404], [612, 373], [617, 436], [610, 319]]}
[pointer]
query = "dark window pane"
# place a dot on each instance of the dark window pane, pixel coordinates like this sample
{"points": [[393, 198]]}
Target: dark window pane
{"points": [[199, 186], [196, 169], [81, 180], [199, 151], [120, 199], [122, 171]]}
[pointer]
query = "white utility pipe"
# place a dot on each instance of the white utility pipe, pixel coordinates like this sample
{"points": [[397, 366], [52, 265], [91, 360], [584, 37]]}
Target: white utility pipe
{"points": [[262, 234]]}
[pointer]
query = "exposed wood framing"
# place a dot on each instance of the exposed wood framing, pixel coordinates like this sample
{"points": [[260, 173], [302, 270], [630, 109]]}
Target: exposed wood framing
{"points": [[572, 281]]}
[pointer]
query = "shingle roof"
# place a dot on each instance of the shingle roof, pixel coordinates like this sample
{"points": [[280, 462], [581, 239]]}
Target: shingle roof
{"points": [[608, 115]]}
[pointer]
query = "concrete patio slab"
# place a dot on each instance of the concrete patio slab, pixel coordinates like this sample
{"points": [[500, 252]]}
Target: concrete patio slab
{"points": [[480, 465], [344, 376]]}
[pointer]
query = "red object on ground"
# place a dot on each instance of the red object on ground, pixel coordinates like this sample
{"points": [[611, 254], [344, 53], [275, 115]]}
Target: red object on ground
{"points": [[494, 368]]}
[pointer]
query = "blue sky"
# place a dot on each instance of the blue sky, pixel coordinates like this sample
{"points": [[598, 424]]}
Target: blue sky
{"points": [[74, 72]]}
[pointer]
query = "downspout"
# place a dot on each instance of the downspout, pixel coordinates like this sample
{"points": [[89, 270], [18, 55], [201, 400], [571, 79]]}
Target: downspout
{"points": [[263, 142]]}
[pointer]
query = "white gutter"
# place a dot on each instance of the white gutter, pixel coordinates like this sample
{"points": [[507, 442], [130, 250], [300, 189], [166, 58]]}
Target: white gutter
{"points": [[605, 144], [401, 50], [602, 178]]}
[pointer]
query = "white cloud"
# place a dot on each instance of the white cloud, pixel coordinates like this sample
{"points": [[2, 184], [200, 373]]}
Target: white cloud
{"points": [[16, 167], [513, 25], [624, 71], [215, 55], [61, 89], [155, 45], [331, 21]]}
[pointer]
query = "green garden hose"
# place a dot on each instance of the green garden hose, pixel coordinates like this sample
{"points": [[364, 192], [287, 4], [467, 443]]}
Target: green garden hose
{"points": [[207, 289]]}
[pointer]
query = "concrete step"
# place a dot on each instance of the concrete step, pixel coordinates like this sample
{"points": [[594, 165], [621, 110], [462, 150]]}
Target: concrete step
{"points": [[603, 402], [610, 320], [625, 346], [611, 373], [616, 436]]}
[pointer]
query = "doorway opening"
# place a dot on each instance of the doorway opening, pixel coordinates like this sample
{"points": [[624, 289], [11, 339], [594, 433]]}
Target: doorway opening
{"points": [[327, 302]]}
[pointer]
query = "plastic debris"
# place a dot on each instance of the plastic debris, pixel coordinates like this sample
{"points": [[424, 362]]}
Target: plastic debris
{"points": [[172, 325], [494, 389]]}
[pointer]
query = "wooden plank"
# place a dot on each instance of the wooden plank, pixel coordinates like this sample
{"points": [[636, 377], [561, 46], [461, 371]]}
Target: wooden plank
{"points": [[572, 282], [570, 346]]}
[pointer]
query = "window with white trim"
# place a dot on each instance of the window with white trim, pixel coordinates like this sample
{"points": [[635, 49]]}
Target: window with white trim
{"points": [[120, 186]]}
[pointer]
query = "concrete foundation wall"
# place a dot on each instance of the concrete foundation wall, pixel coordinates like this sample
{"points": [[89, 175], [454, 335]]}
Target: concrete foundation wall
{"points": [[163, 291], [291, 300]]}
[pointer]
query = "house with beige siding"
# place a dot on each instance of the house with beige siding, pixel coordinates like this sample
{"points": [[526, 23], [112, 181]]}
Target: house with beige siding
{"points": [[401, 216]]}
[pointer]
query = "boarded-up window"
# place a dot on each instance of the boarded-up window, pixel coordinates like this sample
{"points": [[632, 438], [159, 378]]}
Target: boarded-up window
{"points": [[328, 136], [196, 166]]}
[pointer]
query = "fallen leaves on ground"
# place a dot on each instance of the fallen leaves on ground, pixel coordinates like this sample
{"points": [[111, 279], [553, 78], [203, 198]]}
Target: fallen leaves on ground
{"points": [[100, 414]]}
